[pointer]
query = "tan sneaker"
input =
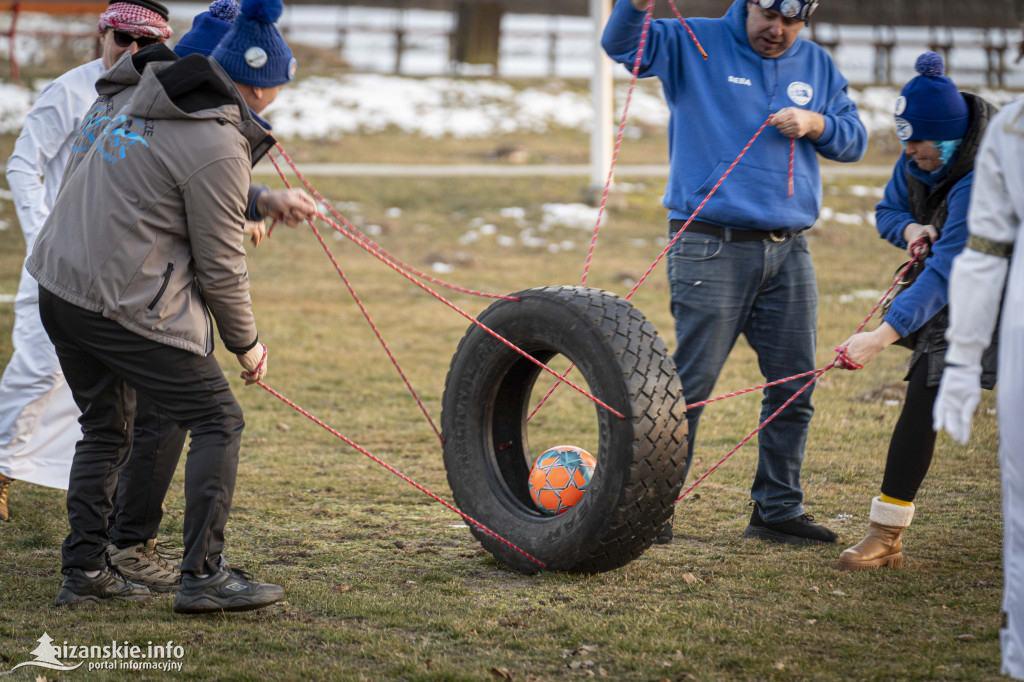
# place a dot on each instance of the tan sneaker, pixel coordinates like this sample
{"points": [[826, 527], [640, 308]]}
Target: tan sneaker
{"points": [[5, 487], [143, 564]]}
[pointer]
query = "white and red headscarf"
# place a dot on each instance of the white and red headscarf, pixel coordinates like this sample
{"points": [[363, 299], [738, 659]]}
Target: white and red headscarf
{"points": [[132, 18]]}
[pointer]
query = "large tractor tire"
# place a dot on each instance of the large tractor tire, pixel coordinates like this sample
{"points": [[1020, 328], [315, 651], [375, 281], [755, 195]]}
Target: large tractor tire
{"points": [[641, 458]]}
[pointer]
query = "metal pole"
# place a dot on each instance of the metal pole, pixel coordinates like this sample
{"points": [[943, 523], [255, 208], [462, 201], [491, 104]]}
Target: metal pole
{"points": [[601, 88], [15, 72], [399, 37]]}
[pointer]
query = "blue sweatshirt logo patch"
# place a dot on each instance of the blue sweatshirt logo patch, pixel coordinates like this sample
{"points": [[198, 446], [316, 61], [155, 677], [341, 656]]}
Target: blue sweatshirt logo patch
{"points": [[801, 93]]}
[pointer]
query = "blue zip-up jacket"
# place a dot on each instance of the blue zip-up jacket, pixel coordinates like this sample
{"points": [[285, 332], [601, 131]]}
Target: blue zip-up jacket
{"points": [[717, 105], [930, 291]]}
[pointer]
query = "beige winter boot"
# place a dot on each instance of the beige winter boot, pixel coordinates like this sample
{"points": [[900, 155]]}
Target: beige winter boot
{"points": [[5, 487], [883, 545]]}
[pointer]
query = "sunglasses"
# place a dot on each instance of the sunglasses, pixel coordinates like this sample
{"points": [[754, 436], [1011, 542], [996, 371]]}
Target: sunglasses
{"points": [[125, 39]]}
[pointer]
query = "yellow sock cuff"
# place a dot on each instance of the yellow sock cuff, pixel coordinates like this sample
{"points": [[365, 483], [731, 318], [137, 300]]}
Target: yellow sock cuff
{"points": [[893, 500]]}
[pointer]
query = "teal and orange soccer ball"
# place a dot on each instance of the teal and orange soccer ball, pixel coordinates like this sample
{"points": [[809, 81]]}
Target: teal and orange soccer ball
{"points": [[559, 478]]}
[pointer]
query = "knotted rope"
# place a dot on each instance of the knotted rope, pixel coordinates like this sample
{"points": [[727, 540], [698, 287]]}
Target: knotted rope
{"points": [[648, 16], [842, 361]]}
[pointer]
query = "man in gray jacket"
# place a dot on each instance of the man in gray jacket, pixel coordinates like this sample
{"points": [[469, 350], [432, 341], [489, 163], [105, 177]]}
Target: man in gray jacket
{"points": [[144, 243], [157, 441]]}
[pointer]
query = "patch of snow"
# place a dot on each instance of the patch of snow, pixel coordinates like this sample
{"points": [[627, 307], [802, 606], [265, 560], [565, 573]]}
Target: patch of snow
{"points": [[849, 218], [568, 215]]}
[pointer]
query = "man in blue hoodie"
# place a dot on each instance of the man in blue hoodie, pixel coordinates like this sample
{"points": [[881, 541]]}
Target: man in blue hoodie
{"points": [[743, 266]]}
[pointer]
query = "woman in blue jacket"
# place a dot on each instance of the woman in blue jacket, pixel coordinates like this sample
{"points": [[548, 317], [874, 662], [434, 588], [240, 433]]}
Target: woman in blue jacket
{"points": [[927, 198]]}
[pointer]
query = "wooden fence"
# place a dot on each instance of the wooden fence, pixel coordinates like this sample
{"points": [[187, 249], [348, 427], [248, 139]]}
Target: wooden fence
{"points": [[939, 13], [475, 32], [54, 7]]}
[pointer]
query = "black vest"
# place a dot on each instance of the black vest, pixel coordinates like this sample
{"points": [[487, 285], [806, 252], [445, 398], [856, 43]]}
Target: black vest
{"points": [[928, 207]]}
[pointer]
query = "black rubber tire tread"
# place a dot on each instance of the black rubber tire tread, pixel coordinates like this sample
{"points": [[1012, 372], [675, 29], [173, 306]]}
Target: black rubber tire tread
{"points": [[641, 459]]}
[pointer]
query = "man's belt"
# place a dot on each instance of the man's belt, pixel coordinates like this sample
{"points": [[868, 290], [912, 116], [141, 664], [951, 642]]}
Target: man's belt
{"points": [[729, 234]]}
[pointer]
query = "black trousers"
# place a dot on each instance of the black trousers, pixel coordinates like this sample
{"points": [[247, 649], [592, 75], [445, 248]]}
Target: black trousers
{"points": [[105, 365], [913, 440], [156, 448]]}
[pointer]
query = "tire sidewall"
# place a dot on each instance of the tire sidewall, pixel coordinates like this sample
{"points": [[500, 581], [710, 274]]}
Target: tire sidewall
{"points": [[537, 321]]}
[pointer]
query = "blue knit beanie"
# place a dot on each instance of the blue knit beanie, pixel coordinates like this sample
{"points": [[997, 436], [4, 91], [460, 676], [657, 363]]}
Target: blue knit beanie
{"points": [[930, 107], [208, 28], [253, 52]]}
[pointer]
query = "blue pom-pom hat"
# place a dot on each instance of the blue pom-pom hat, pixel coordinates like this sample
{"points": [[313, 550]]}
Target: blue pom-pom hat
{"points": [[208, 29], [254, 52], [930, 106]]}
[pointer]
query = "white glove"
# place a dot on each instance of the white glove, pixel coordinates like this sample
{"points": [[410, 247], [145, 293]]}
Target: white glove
{"points": [[959, 395], [254, 362]]}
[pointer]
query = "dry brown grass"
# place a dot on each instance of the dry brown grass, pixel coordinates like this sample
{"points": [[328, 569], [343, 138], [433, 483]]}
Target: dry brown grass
{"points": [[382, 583]]}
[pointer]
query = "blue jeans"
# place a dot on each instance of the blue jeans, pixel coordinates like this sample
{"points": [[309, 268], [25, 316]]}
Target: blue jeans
{"points": [[766, 291]]}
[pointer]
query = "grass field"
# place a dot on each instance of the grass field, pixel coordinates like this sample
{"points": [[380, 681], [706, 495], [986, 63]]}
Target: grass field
{"points": [[383, 583]]}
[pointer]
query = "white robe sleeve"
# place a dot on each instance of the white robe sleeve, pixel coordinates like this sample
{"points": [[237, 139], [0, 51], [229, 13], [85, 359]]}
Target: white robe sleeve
{"points": [[979, 276], [35, 169], [47, 126]]}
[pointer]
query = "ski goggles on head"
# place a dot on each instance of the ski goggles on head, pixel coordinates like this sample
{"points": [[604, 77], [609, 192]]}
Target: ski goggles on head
{"points": [[791, 9]]}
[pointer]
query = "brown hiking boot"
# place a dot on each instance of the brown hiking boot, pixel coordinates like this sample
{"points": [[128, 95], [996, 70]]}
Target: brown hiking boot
{"points": [[143, 564], [78, 588], [883, 545], [5, 487]]}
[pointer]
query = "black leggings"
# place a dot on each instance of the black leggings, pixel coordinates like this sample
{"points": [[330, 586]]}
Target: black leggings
{"points": [[913, 440]]}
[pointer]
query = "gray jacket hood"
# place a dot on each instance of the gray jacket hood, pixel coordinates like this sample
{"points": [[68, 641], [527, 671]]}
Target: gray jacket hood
{"points": [[197, 87], [115, 88], [127, 71]]}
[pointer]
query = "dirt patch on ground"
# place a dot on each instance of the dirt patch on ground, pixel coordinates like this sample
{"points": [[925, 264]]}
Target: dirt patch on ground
{"points": [[896, 390]]}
